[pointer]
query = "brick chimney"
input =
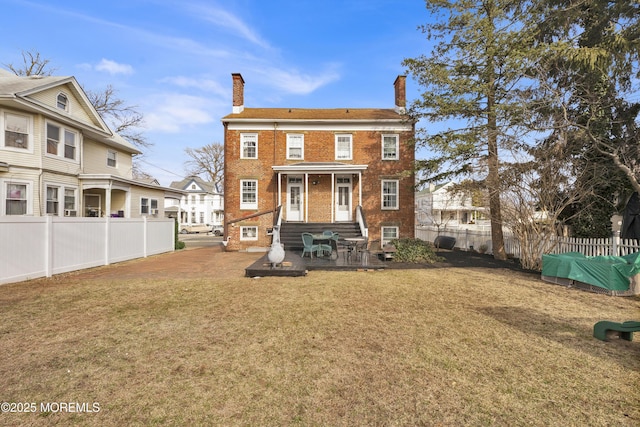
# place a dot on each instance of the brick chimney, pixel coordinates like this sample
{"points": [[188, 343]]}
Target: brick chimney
{"points": [[238, 93], [401, 94]]}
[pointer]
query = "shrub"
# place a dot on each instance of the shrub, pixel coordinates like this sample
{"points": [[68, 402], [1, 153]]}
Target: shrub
{"points": [[179, 244], [414, 250]]}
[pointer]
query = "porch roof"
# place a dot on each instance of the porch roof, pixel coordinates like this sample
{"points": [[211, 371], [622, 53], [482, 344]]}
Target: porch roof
{"points": [[319, 167], [104, 181]]}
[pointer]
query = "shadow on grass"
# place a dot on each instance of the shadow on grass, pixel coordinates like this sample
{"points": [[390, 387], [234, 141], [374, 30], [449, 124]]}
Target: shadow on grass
{"points": [[570, 333]]}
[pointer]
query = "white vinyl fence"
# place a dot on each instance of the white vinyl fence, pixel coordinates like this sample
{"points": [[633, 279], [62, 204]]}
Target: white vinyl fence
{"points": [[477, 239], [43, 246]]}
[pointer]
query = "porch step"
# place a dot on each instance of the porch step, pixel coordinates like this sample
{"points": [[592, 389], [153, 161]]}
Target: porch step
{"points": [[291, 232]]}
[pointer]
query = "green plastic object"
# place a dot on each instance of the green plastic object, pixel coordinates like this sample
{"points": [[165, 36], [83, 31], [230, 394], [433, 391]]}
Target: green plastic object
{"points": [[604, 329], [607, 272]]}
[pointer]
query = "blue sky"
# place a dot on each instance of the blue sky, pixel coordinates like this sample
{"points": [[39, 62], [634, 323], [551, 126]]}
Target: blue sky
{"points": [[174, 59]]}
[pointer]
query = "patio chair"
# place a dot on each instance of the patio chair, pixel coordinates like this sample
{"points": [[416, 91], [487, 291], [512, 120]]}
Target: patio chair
{"points": [[370, 247], [309, 247], [361, 248]]}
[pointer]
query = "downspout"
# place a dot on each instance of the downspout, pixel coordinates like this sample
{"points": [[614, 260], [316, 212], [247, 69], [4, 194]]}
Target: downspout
{"points": [[276, 197]]}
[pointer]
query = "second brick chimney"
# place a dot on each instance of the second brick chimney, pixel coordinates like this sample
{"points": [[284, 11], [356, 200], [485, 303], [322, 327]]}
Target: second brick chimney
{"points": [[238, 93], [401, 94]]}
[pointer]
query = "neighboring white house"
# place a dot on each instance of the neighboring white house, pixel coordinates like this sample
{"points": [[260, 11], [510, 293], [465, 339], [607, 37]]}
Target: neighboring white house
{"points": [[200, 204], [58, 157], [438, 206]]}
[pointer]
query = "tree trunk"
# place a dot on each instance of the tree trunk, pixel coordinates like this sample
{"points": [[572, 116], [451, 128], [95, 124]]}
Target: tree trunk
{"points": [[493, 176]]}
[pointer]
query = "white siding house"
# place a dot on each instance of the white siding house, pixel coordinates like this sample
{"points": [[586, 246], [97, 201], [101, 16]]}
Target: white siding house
{"points": [[58, 157], [438, 206], [200, 204]]}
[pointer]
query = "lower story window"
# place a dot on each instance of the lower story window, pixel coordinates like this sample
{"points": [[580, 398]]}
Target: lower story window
{"points": [[16, 199], [390, 194], [249, 194], [53, 204], [248, 233], [388, 234], [148, 206]]}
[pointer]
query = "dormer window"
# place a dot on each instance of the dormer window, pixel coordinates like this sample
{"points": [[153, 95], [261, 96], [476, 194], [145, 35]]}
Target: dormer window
{"points": [[62, 102]]}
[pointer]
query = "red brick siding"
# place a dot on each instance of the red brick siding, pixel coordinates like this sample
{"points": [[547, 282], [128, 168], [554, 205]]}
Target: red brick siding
{"points": [[319, 146]]}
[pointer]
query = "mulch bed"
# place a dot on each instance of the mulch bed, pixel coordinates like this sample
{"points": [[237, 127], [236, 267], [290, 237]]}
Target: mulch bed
{"points": [[462, 259]]}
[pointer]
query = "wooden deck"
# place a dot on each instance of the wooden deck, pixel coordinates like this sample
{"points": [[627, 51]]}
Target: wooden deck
{"points": [[294, 265]]}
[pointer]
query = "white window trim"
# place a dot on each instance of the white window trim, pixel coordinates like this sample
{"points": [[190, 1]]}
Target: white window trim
{"points": [[383, 241], [301, 136], [149, 206], [46, 198], [62, 189], [397, 206], [66, 108], [4, 195], [242, 141], [243, 205], [30, 139], [350, 146], [252, 238], [397, 138], [61, 142], [115, 153]]}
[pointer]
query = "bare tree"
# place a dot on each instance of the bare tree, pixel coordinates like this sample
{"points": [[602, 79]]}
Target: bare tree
{"points": [[32, 65], [538, 196], [121, 118], [207, 162]]}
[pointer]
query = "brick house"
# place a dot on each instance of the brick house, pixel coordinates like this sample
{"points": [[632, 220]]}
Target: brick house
{"points": [[328, 166]]}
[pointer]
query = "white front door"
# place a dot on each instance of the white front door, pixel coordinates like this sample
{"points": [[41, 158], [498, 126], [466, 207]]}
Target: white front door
{"points": [[294, 200], [343, 199]]}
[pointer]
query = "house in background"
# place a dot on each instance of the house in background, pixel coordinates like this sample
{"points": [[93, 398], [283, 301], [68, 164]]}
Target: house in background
{"points": [[317, 166], [437, 205], [58, 157], [200, 204]]}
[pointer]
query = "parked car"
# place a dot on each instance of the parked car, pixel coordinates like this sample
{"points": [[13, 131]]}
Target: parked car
{"points": [[195, 228], [218, 230]]}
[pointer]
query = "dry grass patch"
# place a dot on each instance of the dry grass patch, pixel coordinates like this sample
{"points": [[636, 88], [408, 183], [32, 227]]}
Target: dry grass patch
{"points": [[417, 347]]}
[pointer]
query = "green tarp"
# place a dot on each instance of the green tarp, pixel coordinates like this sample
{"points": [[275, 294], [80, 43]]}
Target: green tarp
{"points": [[608, 272]]}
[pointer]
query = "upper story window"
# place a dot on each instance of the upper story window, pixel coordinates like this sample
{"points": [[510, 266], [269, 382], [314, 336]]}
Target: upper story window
{"points": [[295, 146], [344, 147], [390, 194], [112, 158], [62, 102], [249, 194], [61, 141], [249, 146], [16, 131], [390, 147]]}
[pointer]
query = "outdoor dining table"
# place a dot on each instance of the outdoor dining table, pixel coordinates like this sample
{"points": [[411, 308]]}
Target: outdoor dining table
{"points": [[321, 239], [351, 243]]}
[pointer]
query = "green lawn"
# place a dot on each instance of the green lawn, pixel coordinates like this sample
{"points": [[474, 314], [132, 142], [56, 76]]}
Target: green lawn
{"points": [[448, 346]]}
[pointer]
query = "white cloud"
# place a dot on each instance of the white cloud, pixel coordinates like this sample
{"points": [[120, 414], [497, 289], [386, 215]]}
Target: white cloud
{"points": [[298, 83], [224, 19], [113, 67], [174, 112], [200, 84]]}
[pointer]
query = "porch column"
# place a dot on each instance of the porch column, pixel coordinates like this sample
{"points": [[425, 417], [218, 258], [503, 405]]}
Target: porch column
{"points": [[306, 197], [360, 188], [279, 188], [107, 203], [333, 196]]}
